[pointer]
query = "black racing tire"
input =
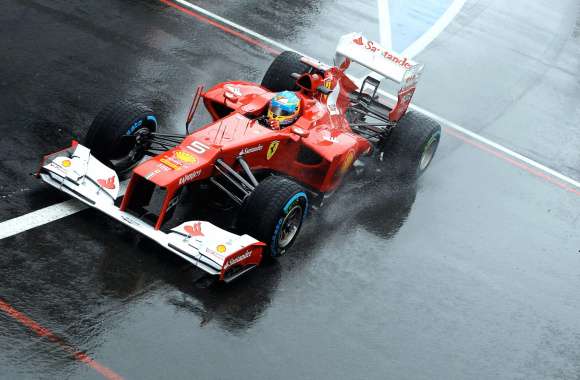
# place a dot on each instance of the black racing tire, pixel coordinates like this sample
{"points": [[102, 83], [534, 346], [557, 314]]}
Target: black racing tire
{"points": [[118, 134], [411, 146], [277, 77], [274, 214]]}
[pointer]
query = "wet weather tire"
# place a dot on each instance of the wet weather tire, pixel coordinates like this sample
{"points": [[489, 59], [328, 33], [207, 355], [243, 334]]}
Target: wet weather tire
{"points": [[411, 146], [117, 135], [274, 214], [278, 78]]}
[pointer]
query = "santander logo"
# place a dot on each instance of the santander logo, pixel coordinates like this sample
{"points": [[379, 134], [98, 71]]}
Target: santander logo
{"points": [[370, 45], [237, 259], [250, 150]]}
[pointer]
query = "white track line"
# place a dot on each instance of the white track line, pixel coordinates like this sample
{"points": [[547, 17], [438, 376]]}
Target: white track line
{"points": [[58, 211], [498, 147], [40, 217], [486, 141], [385, 31], [428, 37], [224, 21]]}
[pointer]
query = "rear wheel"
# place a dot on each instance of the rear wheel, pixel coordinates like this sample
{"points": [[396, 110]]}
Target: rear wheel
{"points": [[274, 214], [411, 146], [119, 134], [277, 77]]}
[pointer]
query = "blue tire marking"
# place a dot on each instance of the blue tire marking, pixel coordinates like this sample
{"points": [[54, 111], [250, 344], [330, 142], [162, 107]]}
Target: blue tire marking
{"points": [[294, 197], [286, 208], [139, 123], [274, 242], [135, 126]]}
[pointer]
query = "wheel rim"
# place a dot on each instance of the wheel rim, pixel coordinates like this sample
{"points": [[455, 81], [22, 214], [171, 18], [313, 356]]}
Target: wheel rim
{"points": [[136, 152], [428, 153], [290, 226]]}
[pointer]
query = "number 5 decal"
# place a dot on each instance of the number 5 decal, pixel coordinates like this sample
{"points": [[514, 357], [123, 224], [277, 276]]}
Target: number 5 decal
{"points": [[198, 147]]}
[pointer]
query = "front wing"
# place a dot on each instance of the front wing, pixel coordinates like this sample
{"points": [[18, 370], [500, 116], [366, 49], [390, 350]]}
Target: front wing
{"points": [[218, 252]]}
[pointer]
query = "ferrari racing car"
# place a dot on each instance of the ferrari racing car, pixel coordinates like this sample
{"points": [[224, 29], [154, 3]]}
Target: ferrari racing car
{"points": [[273, 152]]}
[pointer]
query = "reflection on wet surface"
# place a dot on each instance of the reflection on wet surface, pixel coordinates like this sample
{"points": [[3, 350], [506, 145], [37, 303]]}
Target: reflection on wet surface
{"points": [[107, 269], [235, 307]]}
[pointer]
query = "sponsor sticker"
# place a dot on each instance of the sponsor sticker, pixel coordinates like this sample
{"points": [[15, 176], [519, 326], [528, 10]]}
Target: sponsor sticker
{"points": [[163, 168], [131, 220], [153, 173], [272, 149], [251, 150], [221, 248], [172, 165], [185, 157], [66, 163], [56, 168], [370, 45], [189, 177], [237, 259]]}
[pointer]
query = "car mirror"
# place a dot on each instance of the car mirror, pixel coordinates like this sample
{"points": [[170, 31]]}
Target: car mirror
{"points": [[300, 132]]}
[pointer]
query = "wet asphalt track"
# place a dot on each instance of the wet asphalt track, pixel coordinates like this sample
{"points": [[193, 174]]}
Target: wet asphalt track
{"points": [[472, 274]]}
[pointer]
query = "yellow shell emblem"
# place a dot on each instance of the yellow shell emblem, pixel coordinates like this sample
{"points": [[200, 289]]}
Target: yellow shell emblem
{"points": [[272, 149], [185, 157], [221, 248]]}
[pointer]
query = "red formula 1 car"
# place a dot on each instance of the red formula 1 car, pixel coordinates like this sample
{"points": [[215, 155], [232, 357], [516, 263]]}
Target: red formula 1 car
{"points": [[271, 175]]}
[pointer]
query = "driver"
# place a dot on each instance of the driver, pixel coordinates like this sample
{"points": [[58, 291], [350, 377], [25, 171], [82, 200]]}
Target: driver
{"points": [[284, 109]]}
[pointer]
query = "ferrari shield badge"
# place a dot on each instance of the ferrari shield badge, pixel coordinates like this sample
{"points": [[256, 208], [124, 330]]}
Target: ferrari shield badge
{"points": [[272, 149]]}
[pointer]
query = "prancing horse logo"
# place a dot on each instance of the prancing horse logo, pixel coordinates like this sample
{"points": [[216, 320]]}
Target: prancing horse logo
{"points": [[272, 149]]}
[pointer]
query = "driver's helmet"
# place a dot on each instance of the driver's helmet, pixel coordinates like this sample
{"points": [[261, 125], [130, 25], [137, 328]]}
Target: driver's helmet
{"points": [[284, 108]]}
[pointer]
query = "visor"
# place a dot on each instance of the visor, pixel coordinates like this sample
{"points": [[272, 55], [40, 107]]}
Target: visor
{"points": [[276, 110]]}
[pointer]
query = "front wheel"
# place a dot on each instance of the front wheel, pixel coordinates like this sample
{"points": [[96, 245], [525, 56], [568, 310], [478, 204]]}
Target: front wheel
{"points": [[119, 134], [274, 214]]}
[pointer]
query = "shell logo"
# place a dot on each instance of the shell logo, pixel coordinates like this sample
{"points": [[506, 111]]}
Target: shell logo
{"points": [[221, 248], [66, 163], [185, 157]]}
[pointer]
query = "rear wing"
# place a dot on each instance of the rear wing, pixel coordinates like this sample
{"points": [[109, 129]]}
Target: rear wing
{"points": [[356, 48], [373, 56]]}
